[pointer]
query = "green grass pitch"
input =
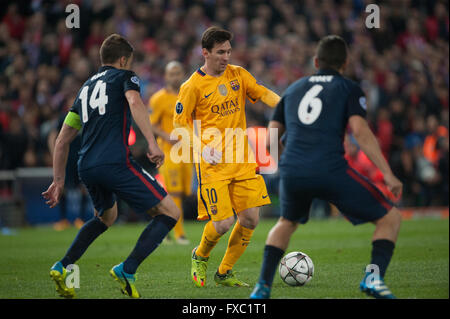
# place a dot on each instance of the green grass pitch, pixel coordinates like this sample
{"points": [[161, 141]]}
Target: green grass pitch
{"points": [[419, 268]]}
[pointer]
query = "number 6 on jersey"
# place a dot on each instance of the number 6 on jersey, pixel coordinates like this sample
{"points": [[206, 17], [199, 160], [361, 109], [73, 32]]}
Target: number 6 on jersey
{"points": [[310, 106], [98, 99]]}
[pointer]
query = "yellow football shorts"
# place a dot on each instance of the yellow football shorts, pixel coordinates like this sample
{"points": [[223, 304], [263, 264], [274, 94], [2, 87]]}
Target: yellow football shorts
{"points": [[217, 200]]}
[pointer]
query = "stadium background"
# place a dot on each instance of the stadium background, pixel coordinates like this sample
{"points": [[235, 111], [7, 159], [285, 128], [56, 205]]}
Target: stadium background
{"points": [[402, 66]]}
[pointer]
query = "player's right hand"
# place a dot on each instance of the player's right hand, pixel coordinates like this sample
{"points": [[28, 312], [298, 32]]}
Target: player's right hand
{"points": [[155, 155], [53, 194], [394, 185], [211, 155]]}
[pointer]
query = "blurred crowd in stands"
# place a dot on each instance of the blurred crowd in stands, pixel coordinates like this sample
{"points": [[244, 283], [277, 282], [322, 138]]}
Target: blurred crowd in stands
{"points": [[402, 66]]}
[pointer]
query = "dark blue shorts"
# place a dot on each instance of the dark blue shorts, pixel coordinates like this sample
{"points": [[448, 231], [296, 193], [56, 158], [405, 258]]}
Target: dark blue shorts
{"points": [[72, 179], [353, 194], [130, 182]]}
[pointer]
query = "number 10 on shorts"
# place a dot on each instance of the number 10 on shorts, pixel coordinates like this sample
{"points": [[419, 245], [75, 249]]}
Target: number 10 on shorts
{"points": [[212, 195]]}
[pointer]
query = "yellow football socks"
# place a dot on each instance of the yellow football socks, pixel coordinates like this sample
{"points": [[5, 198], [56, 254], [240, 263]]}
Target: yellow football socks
{"points": [[209, 240], [178, 229], [238, 242]]}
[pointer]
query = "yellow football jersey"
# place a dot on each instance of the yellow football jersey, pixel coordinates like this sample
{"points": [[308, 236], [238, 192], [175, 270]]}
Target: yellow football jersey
{"points": [[162, 105], [219, 104]]}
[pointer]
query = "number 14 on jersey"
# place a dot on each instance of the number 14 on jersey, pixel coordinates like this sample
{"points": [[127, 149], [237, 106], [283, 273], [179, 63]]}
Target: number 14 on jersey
{"points": [[98, 99]]}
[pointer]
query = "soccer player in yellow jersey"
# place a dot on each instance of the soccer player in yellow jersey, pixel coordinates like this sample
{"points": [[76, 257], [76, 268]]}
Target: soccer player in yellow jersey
{"points": [[177, 177], [215, 94]]}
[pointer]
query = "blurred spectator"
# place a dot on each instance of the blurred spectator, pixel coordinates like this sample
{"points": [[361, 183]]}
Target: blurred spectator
{"points": [[427, 176], [412, 37], [14, 21], [384, 131], [400, 123], [443, 169], [431, 151], [14, 144], [437, 24]]}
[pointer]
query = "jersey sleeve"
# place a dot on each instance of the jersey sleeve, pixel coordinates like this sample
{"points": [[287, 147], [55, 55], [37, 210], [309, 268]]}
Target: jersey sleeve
{"points": [[254, 90], [76, 106], [278, 115], [357, 103], [187, 100], [131, 82]]}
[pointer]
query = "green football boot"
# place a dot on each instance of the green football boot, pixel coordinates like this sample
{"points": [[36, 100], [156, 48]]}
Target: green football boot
{"points": [[58, 274], [229, 279], [198, 269]]}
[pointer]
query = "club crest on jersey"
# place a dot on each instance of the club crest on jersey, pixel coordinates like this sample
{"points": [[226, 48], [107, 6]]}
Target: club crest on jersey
{"points": [[179, 108], [363, 102], [135, 80], [213, 209], [235, 85], [223, 90]]}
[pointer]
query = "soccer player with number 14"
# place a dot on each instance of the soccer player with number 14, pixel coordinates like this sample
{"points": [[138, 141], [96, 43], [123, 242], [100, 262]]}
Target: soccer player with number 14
{"points": [[103, 109]]}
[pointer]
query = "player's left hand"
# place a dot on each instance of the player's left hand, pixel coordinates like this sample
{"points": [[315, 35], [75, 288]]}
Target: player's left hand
{"points": [[155, 155], [394, 185], [53, 194], [211, 155]]}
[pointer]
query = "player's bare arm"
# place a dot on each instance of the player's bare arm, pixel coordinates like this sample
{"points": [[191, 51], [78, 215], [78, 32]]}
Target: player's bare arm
{"points": [[51, 141], [369, 145], [140, 116], [60, 154]]}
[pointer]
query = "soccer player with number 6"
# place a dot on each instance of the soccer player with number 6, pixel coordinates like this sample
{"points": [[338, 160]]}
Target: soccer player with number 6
{"points": [[103, 109], [314, 112]]}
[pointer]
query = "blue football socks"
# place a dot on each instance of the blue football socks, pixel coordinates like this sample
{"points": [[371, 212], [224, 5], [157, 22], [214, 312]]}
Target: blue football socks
{"points": [[272, 256], [87, 234], [149, 240], [382, 250]]}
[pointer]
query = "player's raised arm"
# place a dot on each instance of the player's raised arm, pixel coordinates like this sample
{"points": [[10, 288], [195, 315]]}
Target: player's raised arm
{"points": [[67, 134], [270, 98], [369, 145], [256, 91], [140, 116]]}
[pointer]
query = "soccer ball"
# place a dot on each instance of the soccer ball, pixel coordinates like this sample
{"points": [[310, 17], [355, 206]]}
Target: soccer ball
{"points": [[296, 268]]}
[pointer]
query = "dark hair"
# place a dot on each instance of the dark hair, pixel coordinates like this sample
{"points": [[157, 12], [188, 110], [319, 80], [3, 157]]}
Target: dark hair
{"points": [[113, 48], [214, 35], [332, 52]]}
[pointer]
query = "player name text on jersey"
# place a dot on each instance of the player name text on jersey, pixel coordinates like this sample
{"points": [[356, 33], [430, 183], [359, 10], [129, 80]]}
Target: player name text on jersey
{"points": [[321, 78], [95, 77]]}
